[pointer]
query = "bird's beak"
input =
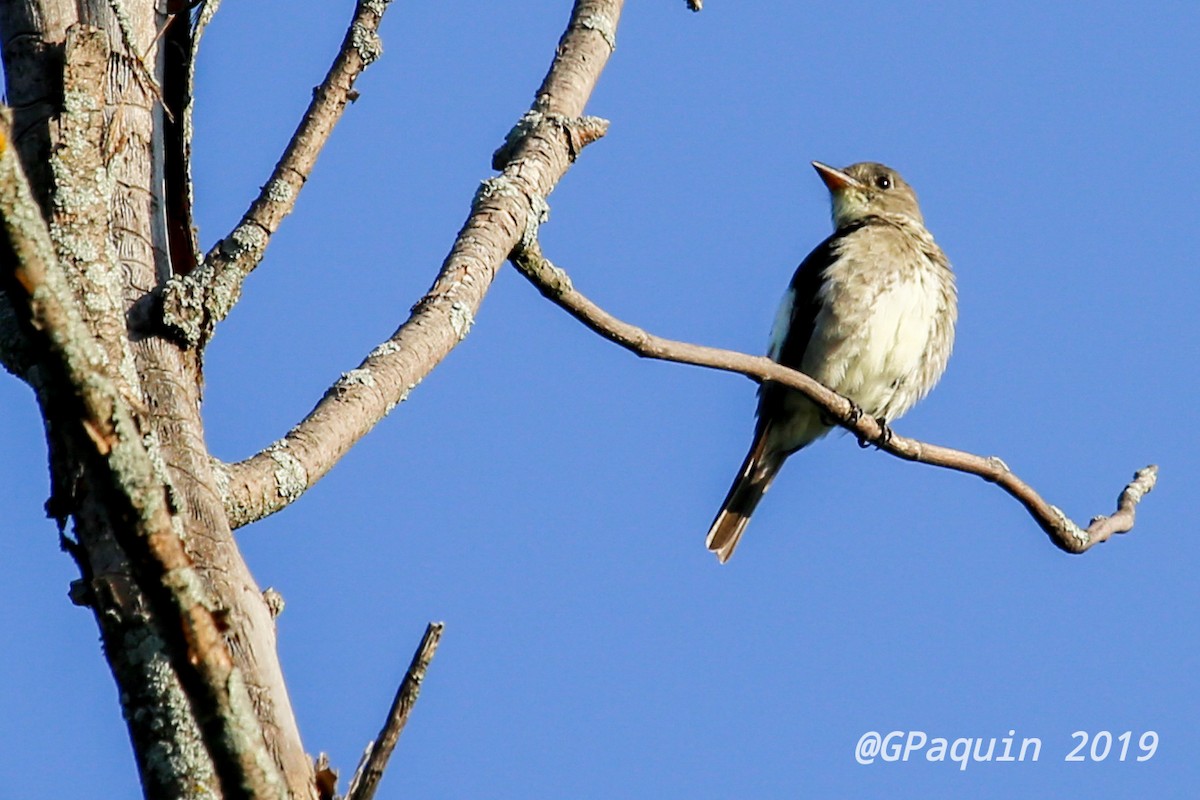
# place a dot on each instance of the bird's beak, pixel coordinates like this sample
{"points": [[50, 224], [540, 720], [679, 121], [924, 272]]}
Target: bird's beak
{"points": [[835, 179]]}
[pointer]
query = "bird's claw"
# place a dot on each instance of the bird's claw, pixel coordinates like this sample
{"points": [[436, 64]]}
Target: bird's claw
{"points": [[851, 417], [883, 439], [885, 432]]}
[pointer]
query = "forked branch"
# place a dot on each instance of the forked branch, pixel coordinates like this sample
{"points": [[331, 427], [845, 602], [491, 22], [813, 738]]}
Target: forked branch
{"points": [[533, 159], [556, 285], [195, 303]]}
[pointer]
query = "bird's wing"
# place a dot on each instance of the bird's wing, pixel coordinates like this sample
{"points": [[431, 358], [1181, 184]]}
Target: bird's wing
{"points": [[797, 318]]}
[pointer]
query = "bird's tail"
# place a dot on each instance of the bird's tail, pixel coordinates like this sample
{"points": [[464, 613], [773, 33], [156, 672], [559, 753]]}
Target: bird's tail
{"points": [[758, 470]]}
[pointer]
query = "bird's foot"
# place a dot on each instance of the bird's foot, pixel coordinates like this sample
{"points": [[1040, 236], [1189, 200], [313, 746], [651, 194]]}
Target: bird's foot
{"points": [[884, 438], [852, 416]]}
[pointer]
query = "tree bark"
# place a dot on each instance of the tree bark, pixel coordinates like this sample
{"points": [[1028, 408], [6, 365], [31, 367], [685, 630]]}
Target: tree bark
{"points": [[89, 86], [97, 245]]}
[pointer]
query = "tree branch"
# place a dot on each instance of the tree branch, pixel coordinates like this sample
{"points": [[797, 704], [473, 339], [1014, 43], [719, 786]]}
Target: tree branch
{"points": [[195, 303], [49, 314], [185, 227], [556, 285], [534, 158], [370, 771]]}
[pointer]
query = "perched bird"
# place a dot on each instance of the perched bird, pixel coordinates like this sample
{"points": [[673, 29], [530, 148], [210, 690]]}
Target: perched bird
{"points": [[870, 313]]}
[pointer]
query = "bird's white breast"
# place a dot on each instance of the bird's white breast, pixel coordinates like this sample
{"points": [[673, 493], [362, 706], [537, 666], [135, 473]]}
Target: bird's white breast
{"points": [[882, 359], [876, 328]]}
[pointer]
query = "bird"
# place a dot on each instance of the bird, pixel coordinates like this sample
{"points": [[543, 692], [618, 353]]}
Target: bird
{"points": [[870, 313]]}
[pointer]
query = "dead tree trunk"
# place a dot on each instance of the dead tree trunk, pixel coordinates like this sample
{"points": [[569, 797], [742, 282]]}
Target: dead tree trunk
{"points": [[99, 101], [107, 304]]}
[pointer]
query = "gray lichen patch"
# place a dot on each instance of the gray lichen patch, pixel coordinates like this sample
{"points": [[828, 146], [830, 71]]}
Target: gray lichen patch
{"points": [[182, 307], [539, 212], [558, 278], [164, 712], [279, 191], [523, 127], [185, 299], [366, 42], [390, 347], [223, 293], [498, 186], [75, 193], [98, 274], [355, 377], [291, 478], [193, 305], [75, 245], [461, 319], [185, 584], [158, 464], [246, 239], [80, 101], [274, 602], [221, 478], [133, 466], [1074, 531], [142, 647], [603, 25], [244, 731]]}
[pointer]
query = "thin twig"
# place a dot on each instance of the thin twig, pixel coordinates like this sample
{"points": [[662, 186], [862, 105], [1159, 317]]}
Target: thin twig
{"points": [[195, 303], [556, 285], [370, 771], [534, 162]]}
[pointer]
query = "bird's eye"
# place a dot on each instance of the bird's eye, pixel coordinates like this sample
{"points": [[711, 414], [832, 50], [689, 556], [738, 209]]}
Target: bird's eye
{"points": [[884, 181]]}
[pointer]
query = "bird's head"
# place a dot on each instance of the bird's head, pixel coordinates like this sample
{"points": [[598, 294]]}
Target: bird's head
{"points": [[868, 188]]}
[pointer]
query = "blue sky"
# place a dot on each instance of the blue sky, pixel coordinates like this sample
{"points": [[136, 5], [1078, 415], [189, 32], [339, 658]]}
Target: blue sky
{"points": [[546, 494]]}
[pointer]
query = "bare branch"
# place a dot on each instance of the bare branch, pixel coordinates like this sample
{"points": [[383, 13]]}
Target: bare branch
{"points": [[537, 158], [195, 303], [182, 41], [208, 10], [370, 771], [556, 285], [47, 311]]}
